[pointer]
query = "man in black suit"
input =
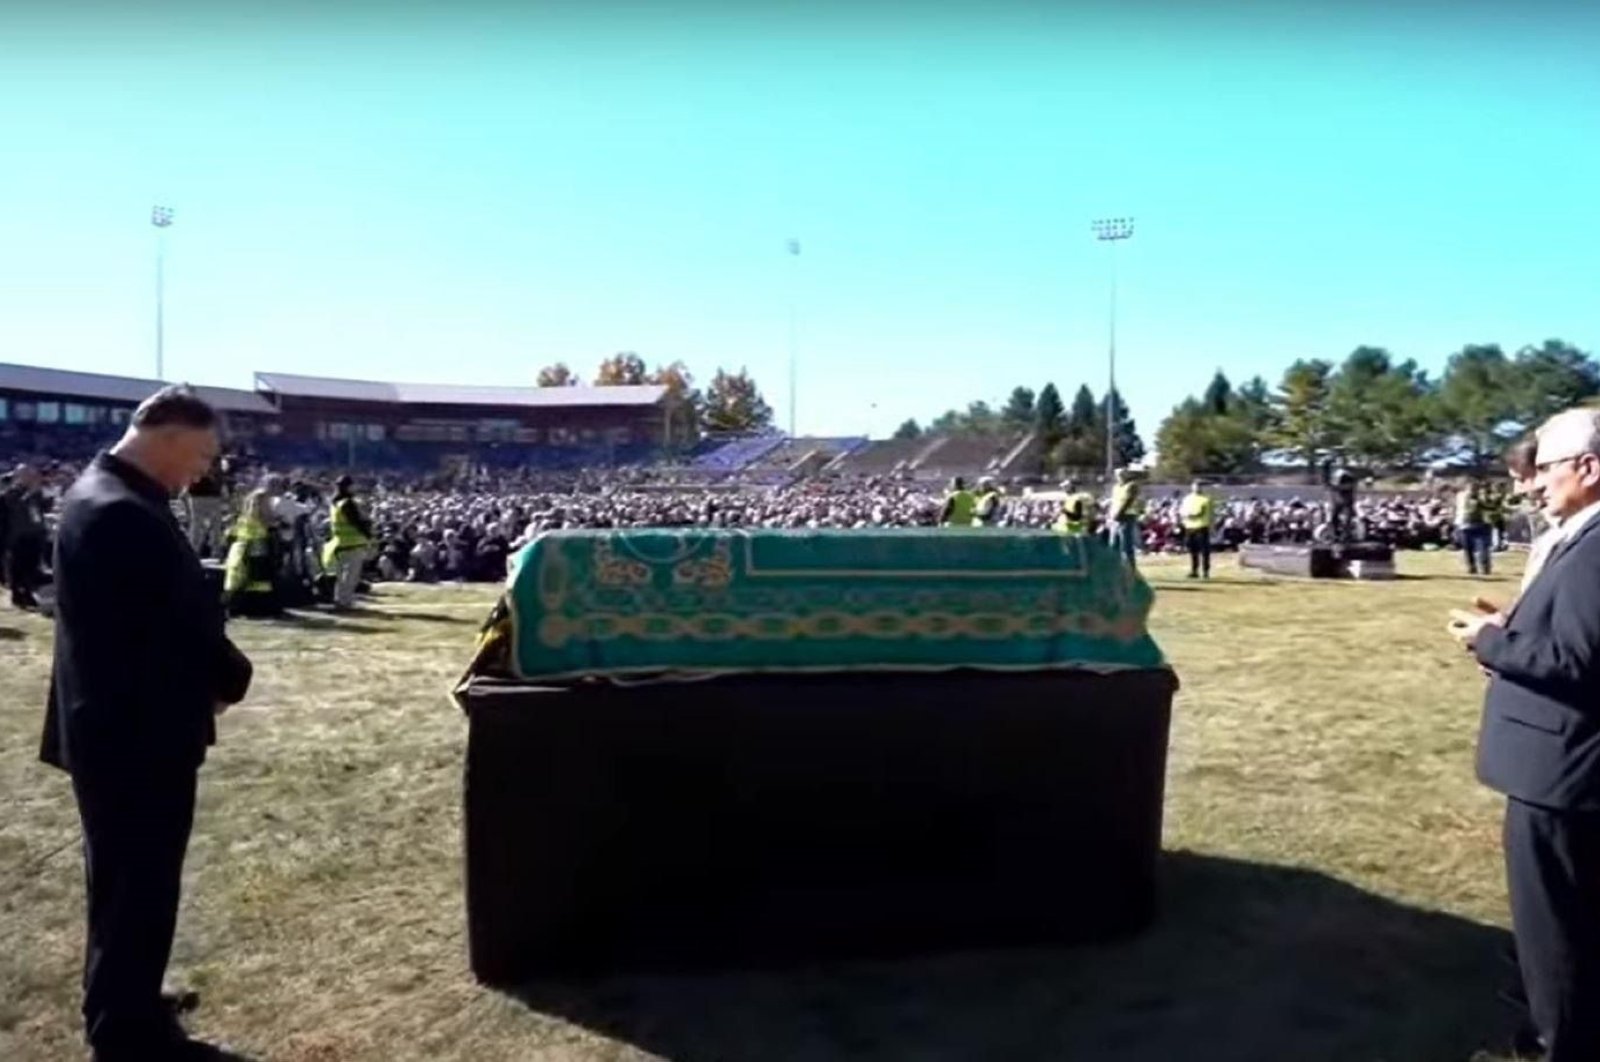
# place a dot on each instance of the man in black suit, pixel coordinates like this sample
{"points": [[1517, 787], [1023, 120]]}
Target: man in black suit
{"points": [[1540, 745], [26, 536], [142, 666]]}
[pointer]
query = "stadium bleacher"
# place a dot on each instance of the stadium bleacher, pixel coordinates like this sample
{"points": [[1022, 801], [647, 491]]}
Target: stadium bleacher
{"points": [[788, 452], [737, 455], [879, 458], [957, 455], [756, 459]]}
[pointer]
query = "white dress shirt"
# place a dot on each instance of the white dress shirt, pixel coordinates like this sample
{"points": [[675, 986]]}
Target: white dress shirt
{"points": [[1538, 551], [1541, 548]]}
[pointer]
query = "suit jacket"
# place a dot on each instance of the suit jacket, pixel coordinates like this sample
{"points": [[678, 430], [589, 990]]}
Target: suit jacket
{"points": [[24, 516], [1540, 736], [141, 656]]}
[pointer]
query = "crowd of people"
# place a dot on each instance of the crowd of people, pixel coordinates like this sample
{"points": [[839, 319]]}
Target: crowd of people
{"points": [[463, 525], [142, 663]]}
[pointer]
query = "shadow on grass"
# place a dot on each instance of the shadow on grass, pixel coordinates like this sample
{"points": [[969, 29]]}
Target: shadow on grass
{"points": [[1448, 577], [1246, 962], [306, 621], [11, 634], [421, 617]]}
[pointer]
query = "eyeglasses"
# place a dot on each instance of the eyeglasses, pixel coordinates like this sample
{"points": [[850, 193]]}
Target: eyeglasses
{"points": [[1545, 466]]}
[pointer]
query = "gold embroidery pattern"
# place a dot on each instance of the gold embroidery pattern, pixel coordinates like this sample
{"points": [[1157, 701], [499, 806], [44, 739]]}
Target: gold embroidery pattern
{"points": [[713, 571], [612, 570], [556, 631]]}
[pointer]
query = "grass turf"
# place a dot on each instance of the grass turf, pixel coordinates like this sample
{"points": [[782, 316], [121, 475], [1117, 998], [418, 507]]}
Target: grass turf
{"points": [[1332, 889]]}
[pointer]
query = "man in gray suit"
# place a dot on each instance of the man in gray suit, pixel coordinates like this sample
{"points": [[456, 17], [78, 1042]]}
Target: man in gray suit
{"points": [[1540, 744]]}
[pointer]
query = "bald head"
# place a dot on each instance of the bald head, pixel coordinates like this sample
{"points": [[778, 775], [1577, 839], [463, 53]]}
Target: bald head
{"points": [[1568, 462]]}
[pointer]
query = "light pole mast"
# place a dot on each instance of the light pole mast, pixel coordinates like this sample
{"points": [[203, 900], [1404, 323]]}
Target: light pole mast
{"points": [[1112, 231], [794, 295], [161, 218]]}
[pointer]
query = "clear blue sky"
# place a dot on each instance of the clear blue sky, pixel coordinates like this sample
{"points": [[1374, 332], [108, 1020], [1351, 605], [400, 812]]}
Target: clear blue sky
{"points": [[413, 192]]}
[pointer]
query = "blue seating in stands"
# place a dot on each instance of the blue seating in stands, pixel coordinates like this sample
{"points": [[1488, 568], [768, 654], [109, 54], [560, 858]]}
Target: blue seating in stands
{"points": [[739, 454]]}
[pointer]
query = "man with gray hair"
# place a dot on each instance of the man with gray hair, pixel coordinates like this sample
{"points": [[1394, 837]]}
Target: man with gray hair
{"points": [[142, 667], [1540, 744]]}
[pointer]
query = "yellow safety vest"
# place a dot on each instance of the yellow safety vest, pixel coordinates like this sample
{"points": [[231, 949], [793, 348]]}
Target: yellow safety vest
{"points": [[346, 535], [1196, 512], [1469, 510], [248, 529], [1077, 511], [962, 509], [988, 506], [1125, 503], [250, 538], [345, 531]]}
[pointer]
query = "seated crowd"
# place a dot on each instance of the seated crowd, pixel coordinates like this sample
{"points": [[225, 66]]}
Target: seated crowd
{"points": [[463, 525]]}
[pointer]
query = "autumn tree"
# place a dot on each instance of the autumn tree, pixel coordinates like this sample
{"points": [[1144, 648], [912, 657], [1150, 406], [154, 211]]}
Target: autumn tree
{"points": [[733, 403], [621, 370], [557, 375], [684, 405]]}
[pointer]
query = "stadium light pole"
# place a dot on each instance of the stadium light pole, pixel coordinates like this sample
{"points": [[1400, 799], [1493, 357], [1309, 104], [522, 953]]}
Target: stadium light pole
{"points": [[161, 218], [794, 295], [1112, 231]]}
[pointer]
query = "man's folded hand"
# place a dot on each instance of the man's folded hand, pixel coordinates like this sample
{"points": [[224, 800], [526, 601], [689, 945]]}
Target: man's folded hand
{"points": [[1465, 626]]}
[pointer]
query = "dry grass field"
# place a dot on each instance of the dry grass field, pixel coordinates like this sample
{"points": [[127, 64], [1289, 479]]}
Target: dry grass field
{"points": [[1332, 888]]}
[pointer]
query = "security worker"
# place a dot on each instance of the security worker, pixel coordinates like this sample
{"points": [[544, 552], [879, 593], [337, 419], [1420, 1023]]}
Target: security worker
{"points": [[1496, 507], [960, 506], [1473, 527], [1197, 513], [1077, 510], [247, 575], [988, 506], [1123, 516], [349, 541]]}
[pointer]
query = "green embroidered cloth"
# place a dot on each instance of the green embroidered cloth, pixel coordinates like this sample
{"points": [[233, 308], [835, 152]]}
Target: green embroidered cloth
{"points": [[662, 601]]}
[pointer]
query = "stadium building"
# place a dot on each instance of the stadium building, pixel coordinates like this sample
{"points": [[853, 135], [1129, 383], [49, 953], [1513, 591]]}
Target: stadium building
{"points": [[390, 423], [320, 421]]}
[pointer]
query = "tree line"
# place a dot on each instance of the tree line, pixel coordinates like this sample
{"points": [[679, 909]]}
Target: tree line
{"points": [[1371, 412], [1375, 413], [1070, 437], [731, 402]]}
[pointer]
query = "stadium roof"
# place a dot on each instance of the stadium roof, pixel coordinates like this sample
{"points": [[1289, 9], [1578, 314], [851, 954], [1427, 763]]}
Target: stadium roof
{"points": [[94, 386], [457, 394]]}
